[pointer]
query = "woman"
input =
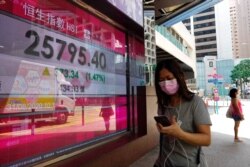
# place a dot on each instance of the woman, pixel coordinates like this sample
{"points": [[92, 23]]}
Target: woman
{"points": [[106, 112], [237, 112], [180, 143]]}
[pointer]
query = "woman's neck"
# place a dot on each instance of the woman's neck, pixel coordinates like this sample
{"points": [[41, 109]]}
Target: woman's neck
{"points": [[175, 100]]}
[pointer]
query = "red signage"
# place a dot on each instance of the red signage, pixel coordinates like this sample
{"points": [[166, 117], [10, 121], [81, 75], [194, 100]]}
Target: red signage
{"points": [[66, 18]]}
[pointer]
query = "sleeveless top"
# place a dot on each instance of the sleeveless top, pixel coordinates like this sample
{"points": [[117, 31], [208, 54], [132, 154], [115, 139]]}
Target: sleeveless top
{"points": [[240, 108]]}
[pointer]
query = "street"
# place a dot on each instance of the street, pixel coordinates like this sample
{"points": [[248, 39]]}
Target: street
{"points": [[224, 125], [222, 152]]}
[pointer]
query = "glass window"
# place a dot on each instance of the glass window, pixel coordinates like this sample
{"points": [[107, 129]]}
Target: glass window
{"points": [[204, 32], [207, 39], [211, 64], [208, 10], [63, 80], [206, 47], [204, 25], [200, 18]]}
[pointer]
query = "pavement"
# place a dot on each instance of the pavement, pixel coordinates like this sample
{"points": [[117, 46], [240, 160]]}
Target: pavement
{"points": [[223, 151]]}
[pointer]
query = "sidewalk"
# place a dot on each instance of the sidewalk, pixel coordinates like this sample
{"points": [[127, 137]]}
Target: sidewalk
{"points": [[222, 152]]}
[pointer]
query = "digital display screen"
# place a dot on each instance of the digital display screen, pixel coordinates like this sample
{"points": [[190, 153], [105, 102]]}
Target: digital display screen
{"points": [[132, 8], [63, 79]]}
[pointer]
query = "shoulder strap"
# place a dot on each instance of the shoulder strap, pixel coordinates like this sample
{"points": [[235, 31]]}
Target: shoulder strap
{"points": [[161, 139]]}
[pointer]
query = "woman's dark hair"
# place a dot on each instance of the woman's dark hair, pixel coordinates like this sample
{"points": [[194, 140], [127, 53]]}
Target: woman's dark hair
{"points": [[173, 67], [232, 92]]}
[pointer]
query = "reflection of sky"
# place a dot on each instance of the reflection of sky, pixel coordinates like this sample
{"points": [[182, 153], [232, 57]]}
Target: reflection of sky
{"points": [[132, 8]]}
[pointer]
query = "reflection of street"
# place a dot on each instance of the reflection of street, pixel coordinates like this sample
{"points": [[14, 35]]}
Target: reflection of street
{"points": [[92, 122], [49, 136]]}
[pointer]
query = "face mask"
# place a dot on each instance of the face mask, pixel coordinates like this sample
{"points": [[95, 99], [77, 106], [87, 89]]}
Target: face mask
{"points": [[170, 87]]}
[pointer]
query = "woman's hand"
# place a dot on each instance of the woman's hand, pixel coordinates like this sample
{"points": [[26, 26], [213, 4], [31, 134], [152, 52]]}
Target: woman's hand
{"points": [[201, 138], [173, 130], [242, 116]]}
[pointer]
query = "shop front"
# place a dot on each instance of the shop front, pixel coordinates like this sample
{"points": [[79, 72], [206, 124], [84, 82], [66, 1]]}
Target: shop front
{"points": [[70, 76]]}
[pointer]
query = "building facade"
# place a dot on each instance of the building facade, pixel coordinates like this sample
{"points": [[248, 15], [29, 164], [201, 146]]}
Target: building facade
{"points": [[204, 28], [212, 30], [223, 31], [163, 42], [240, 24]]}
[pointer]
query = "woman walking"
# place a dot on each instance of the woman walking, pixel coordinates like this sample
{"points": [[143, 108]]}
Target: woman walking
{"points": [[180, 143]]}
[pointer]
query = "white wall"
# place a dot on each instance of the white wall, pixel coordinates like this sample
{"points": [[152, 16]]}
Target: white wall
{"points": [[223, 30], [169, 47]]}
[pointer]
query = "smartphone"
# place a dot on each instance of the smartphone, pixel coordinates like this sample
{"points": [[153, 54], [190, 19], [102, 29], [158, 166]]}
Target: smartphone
{"points": [[162, 120]]}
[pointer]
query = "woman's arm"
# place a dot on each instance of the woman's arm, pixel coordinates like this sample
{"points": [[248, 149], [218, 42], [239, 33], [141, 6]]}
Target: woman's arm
{"points": [[201, 138], [202, 122]]}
